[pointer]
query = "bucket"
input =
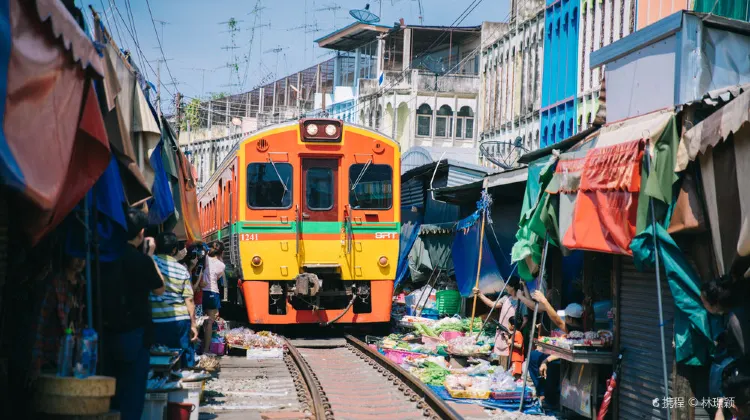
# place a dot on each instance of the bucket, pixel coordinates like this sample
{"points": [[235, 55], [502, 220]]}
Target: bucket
{"points": [[180, 411], [154, 406], [189, 394]]}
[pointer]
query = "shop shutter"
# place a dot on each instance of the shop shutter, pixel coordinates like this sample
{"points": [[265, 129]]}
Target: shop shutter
{"points": [[642, 374], [3, 241]]}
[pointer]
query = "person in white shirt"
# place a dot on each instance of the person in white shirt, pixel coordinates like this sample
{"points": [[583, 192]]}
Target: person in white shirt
{"points": [[213, 271]]}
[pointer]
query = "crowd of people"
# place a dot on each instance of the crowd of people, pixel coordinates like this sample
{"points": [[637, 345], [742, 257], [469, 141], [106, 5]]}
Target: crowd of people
{"points": [[725, 297], [161, 289]]}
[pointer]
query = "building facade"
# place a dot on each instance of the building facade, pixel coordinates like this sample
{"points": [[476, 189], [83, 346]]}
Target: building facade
{"points": [[559, 92], [511, 85]]}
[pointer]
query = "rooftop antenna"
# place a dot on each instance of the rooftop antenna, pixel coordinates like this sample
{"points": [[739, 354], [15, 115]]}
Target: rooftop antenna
{"points": [[233, 64], [364, 15], [333, 7], [276, 51], [421, 12]]}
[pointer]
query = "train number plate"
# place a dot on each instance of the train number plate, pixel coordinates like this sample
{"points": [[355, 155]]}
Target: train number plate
{"points": [[248, 236]]}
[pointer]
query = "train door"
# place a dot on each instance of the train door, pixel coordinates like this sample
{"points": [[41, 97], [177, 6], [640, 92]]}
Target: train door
{"points": [[320, 201]]}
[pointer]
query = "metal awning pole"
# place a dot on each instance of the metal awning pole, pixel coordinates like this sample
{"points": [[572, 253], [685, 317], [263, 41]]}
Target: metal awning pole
{"points": [[658, 287], [484, 211], [533, 323]]}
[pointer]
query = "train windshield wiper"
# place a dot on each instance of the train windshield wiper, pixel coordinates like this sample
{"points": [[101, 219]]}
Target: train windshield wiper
{"points": [[361, 174], [278, 175]]}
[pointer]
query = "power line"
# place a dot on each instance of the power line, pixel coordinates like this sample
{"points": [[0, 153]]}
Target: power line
{"points": [[163, 56]]}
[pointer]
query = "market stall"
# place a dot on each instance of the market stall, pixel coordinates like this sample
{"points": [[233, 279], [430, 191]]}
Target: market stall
{"points": [[581, 359]]}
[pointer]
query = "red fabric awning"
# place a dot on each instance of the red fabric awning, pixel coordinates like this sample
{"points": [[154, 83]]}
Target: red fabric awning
{"points": [[52, 122], [606, 207]]}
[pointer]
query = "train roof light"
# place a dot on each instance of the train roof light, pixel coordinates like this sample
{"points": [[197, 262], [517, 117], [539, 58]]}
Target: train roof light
{"points": [[321, 130]]}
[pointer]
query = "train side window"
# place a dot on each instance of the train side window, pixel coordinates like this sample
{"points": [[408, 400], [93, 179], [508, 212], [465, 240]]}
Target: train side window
{"points": [[370, 186], [269, 185], [319, 188]]}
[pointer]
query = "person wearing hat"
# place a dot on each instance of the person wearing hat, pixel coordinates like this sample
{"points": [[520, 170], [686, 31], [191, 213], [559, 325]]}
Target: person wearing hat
{"points": [[570, 319]]}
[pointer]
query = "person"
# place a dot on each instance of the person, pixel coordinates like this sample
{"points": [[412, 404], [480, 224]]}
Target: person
{"points": [[174, 312], [515, 342], [539, 362], [195, 261], [126, 317], [723, 296], [507, 310], [736, 388], [211, 298], [61, 308]]}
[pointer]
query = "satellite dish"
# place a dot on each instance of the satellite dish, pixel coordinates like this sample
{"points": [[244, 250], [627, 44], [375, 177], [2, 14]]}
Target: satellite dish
{"points": [[365, 15]]}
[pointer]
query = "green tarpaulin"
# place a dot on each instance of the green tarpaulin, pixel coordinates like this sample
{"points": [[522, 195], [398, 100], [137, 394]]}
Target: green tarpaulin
{"points": [[536, 217], [692, 331]]}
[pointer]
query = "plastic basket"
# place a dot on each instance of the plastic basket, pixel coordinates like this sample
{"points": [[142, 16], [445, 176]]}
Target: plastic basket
{"points": [[398, 356], [448, 302], [429, 313]]}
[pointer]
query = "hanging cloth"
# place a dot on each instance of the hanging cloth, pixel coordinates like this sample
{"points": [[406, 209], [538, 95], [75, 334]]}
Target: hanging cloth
{"points": [[527, 250], [161, 206], [409, 235], [692, 323]]}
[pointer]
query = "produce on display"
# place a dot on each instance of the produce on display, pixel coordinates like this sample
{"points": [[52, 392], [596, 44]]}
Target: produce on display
{"points": [[602, 338], [465, 386], [245, 338], [466, 346]]}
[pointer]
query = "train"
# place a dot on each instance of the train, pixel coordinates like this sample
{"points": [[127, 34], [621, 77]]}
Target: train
{"points": [[309, 213]]}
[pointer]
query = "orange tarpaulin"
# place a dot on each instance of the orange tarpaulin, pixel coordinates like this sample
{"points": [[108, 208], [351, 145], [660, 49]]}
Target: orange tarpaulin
{"points": [[606, 208]]}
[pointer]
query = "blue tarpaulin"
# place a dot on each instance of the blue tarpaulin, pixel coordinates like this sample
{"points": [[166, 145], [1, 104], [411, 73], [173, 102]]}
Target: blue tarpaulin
{"points": [[161, 206], [409, 234], [108, 198], [466, 254], [531, 407]]}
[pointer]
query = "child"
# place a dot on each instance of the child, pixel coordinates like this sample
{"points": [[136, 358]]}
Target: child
{"points": [[516, 344]]}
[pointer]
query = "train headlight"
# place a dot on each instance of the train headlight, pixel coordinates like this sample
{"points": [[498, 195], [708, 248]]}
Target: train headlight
{"points": [[383, 261], [256, 261], [312, 129], [330, 130]]}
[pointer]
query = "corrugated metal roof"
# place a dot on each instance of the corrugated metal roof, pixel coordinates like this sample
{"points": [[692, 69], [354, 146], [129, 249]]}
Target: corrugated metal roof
{"points": [[721, 96], [458, 156]]}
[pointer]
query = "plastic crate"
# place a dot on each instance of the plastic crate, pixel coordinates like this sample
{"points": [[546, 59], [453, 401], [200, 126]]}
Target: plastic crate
{"points": [[429, 313], [448, 302]]}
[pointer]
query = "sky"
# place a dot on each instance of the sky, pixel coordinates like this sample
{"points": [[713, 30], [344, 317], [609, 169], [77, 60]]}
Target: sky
{"points": [[199, 47]]}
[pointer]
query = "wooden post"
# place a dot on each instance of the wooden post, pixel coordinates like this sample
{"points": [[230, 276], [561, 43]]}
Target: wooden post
{"points": [[479, 263]]}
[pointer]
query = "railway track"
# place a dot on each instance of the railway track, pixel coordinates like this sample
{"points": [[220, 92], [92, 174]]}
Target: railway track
{"points": [[352, 381]]}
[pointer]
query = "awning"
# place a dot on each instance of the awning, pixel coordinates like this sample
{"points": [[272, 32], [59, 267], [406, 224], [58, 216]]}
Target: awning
{"points": [[722, 142], [53, 146], [605, 213], [128, 118]]}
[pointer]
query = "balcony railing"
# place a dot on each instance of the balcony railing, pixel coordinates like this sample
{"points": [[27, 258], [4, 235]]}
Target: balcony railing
{"points": [[418, 81]]}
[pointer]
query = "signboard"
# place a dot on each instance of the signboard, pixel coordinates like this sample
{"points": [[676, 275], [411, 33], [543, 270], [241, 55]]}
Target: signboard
{"points": [[576, 388]]}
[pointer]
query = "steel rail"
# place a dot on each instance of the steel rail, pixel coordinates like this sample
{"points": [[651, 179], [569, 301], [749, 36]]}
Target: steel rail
{"points": [[313, 386], [443, 410]]}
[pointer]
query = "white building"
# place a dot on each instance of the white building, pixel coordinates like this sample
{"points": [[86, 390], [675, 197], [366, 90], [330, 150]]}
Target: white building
{"points": [[426, 82], [511, 84]]}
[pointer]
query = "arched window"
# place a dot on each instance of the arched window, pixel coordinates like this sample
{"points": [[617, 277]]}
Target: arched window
{"points": [[589, 121], [424, 120], [570, 127], [444, 122], [378, 116], [545, 137], [465, 123], [553, 139], [580, 121]]}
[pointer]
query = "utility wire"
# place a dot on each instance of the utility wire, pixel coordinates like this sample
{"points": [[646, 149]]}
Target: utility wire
{"points": [[156, 32]]}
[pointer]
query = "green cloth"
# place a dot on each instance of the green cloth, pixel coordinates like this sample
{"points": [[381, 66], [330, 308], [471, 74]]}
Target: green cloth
{"points": [[658, 183], [734, 9], [535, 216], [692, 323]]}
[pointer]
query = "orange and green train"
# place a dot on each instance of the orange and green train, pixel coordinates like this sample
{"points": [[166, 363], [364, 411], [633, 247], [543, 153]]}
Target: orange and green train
{"points": [[309, 212]]}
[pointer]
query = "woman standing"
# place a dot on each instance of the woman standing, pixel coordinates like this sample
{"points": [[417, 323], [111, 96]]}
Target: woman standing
{"points": [[506, 308], [213, 271]]}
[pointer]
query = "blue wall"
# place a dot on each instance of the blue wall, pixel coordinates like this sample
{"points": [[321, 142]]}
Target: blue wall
{"points": [[558, 120]]}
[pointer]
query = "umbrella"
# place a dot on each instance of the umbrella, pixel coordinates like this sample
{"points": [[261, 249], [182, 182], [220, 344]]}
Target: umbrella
{"points": [[611, 385]]}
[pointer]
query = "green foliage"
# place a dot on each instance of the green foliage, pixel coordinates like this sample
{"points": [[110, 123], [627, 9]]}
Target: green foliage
{"points": [[192, 114], [218, 95]]}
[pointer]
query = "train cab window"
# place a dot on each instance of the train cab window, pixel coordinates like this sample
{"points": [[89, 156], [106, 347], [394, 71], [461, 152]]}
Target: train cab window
{"points": [[319, 188], [370, 186], [269, 185]]}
